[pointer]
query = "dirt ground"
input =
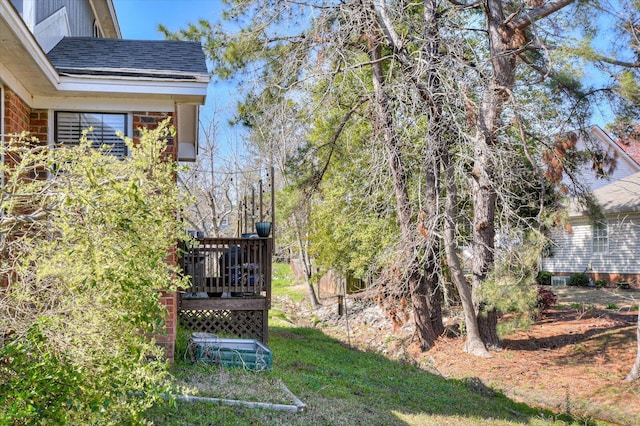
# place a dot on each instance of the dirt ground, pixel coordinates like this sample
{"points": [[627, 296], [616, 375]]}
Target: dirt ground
{"points": [[573, 359]]}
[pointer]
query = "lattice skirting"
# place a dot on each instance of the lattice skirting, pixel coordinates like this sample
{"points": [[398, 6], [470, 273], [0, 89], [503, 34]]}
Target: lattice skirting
{"points": [[243, 324]]}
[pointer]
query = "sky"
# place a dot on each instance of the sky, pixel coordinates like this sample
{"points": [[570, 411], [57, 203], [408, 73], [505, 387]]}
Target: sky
{"points": [[139, 20]]}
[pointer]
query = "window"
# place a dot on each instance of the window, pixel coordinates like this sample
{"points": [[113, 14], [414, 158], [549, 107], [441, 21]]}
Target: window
{"points": [[600, 237], [96, 29], [69, 127]]}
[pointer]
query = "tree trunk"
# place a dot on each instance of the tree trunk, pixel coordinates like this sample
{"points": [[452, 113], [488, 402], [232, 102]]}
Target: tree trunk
{"points": [[505, 38], [306, 265], [432, 101], [484, 204], [421, 302], [417, 287], [434, 300], [474, 343], [427, 225], [484, 196], [634, 374]]}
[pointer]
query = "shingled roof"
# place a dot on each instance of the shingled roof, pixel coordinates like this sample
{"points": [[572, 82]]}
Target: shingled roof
{"points": [[631, 147], [170, 59], [620, 196]]}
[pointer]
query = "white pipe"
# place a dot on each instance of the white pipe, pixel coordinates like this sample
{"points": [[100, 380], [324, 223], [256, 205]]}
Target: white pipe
{"points": [[298, 406], [236, 402]]}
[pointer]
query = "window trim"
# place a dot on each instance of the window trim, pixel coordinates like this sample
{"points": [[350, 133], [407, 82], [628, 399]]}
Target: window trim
{"points": [[598, 239]]}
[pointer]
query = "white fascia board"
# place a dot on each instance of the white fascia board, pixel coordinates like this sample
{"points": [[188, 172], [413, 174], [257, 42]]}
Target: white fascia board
{"points": [[133, 86], [29, 41]]}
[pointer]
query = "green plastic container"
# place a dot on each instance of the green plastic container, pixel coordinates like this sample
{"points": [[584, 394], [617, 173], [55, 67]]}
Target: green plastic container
{"points": [[247, 353]]}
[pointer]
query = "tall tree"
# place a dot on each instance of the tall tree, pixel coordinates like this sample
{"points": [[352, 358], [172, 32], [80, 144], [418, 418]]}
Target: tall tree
{"points": [[440, 81], [619, 79], [506, 25]]}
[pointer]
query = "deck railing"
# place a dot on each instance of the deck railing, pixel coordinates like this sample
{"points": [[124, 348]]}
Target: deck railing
{"points": [[229, 267]]}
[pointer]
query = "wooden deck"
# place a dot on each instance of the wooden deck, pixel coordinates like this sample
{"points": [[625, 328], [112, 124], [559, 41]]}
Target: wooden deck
{"points": [[231, 287]]}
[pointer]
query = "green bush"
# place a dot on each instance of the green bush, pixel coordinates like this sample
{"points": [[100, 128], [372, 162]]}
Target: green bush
{"points": [[544, 278], [601, 283], [579, 280], [85, 252]]}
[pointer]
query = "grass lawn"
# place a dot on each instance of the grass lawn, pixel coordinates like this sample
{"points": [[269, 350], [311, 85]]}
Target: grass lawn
{"points": [[340, 386]]}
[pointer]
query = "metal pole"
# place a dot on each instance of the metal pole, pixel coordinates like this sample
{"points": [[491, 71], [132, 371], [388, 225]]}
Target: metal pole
{"points": [[246, 214], [273, 205], [260, 190], [253, 208]]}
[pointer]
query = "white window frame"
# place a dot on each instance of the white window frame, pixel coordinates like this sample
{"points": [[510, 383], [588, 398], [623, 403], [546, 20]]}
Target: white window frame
{"points": [[600, 237], [97, 141]]}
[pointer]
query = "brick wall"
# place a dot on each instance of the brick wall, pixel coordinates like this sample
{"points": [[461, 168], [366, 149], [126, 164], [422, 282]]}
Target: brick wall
{"points": [[16, 113], [610, 278], [150, 120], [167, 336], [39, 124]]}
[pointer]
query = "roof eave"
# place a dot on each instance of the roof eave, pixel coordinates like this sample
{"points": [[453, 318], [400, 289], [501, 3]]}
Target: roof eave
{"points": [[140, 86], [25, 41]]}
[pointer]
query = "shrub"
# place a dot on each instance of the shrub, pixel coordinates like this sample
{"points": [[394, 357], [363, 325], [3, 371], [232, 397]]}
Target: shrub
{"points": [[579, 280], [544, 278], [546, 299], [601, 283], [86, 256]]}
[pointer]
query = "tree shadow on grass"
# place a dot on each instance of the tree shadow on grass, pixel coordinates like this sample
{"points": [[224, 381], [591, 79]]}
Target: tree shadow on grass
{"points": [[345, 386], [359, 387]]}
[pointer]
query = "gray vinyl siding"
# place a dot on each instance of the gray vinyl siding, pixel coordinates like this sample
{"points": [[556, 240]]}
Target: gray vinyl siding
{"points": [[624, 246], [572, 252], [79, 12]]}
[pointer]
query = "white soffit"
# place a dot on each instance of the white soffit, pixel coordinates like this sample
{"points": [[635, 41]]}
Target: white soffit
{"points": [[106, 103], [22, 56], [187, 131]]}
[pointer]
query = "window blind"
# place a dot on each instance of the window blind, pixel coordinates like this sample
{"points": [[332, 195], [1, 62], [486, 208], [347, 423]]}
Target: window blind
{"points": [[70, 125]]}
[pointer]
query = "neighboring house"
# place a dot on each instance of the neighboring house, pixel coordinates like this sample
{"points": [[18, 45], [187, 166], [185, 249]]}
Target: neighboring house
{"points": [[64, 67], [606, 248], [602, 142]]}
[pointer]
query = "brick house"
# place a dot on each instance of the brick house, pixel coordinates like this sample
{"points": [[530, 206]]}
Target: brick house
{"points": [[64, 67]]}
